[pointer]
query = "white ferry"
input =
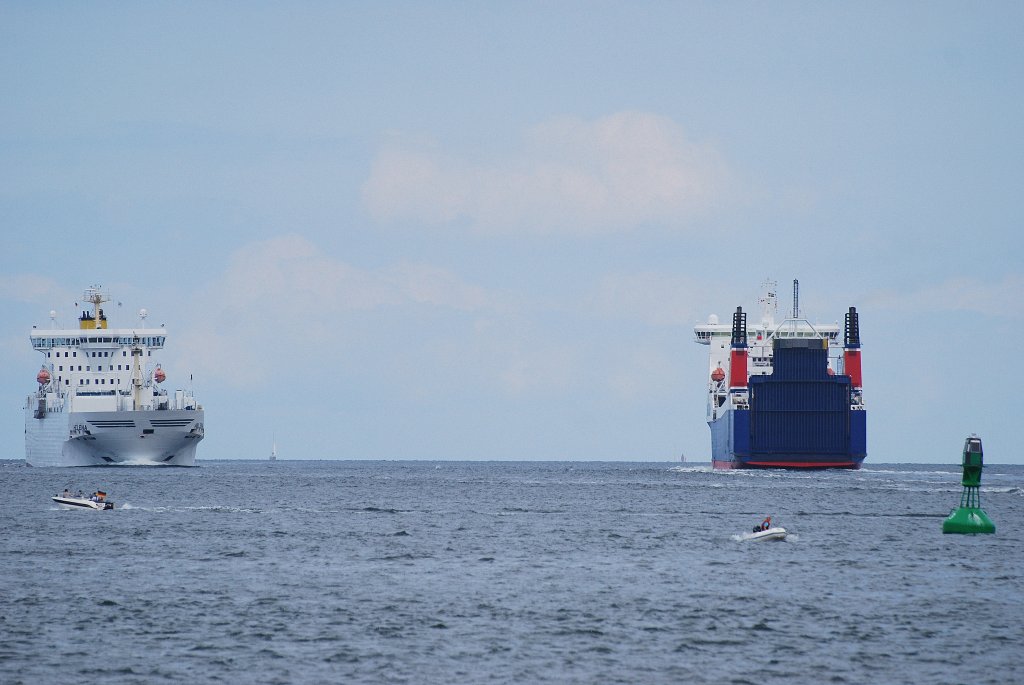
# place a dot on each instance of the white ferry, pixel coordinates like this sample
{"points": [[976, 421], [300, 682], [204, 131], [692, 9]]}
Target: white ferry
{"points": [[100, 398]]}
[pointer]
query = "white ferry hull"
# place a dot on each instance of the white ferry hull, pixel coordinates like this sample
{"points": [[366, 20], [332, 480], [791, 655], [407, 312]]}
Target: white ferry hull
{"points": [[167, 438]]}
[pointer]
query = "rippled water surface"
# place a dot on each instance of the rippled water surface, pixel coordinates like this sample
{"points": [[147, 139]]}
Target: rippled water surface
{"points": [[483, 572]]}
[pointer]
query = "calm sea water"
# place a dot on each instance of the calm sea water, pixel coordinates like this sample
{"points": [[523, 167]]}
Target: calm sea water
{"points": [[496, 572]]}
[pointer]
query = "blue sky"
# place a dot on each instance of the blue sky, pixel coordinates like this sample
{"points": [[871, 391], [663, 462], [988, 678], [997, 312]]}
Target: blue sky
{"points": [[486, 230]]}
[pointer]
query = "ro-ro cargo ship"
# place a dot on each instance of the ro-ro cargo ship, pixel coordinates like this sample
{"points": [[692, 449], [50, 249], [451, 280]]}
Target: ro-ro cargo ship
{"points": [[778, 396], [100, 398]]}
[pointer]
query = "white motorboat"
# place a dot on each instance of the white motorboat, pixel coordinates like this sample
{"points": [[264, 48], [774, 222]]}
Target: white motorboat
{"points": [[775, 533], [98, 501]]}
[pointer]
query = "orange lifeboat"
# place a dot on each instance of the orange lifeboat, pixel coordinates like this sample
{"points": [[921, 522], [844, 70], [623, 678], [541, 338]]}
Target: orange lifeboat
{"points": [[43, 377], [718, 375]]}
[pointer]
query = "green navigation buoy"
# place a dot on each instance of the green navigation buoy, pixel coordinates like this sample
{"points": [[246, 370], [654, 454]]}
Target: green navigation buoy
{"points": [[969, 518]]}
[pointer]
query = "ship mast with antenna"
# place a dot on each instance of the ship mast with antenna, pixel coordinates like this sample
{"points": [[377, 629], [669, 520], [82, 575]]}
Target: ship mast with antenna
{"points": [[94, 294], [796, 299]]}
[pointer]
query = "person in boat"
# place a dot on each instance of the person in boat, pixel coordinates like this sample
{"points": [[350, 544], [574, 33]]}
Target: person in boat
{"points": [[764, 525], [67, 493]]}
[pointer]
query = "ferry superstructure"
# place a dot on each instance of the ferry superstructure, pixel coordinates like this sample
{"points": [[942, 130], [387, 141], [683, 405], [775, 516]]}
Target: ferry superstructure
{"points": [[100, 399], [783, 395]]}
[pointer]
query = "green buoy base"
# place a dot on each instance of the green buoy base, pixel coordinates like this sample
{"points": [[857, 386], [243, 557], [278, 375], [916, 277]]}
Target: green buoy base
{"points": [[969, 521]]}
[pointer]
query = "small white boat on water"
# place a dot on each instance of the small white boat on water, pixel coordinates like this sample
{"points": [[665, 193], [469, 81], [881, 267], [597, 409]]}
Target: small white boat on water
{"points": [[97, 501], [776, 533]]}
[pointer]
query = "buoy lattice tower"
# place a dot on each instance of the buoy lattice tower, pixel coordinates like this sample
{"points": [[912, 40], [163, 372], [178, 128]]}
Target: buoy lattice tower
{"points": [[969, 518]]}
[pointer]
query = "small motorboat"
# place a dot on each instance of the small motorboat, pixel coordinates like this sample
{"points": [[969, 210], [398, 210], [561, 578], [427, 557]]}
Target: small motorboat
{"points": [[98, 501], [775, 533]]}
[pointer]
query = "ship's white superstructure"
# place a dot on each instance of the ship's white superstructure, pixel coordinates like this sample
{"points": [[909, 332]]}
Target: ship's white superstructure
{"points": [[760, 338], [100, 398]]}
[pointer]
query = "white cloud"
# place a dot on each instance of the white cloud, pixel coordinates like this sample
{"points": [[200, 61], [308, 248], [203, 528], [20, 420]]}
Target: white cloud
{"points": [[991, 298], [617, 173], [283, 308], [643, 371], [280, 294], [658, 299], [33, 289], [291, 274], [520, 359]]}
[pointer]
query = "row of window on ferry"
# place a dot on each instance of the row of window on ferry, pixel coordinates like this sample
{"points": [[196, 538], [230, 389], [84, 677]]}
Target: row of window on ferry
{"points": [[124, 353], [149, 341], [71, 367], [85, 381]]}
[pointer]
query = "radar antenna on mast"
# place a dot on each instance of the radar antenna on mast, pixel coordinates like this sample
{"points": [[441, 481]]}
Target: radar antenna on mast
{"points": [[94, 294], [796, 299]]}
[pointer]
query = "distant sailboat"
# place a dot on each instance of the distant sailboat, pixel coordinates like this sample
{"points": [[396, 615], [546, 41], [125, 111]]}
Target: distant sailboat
{"points": [[273, 451]]}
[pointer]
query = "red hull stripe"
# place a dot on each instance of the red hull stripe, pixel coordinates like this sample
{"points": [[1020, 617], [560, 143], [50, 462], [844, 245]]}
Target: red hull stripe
{"points": [[788, 464], [804, 464]]}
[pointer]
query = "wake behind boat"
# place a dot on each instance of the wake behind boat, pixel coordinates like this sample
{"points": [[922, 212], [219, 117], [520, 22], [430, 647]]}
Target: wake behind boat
{"points": [[97, 501]]}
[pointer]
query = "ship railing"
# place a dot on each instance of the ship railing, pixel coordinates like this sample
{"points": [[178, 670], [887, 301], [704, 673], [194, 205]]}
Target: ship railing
{"points": [[702, 335], [793, 328]]}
